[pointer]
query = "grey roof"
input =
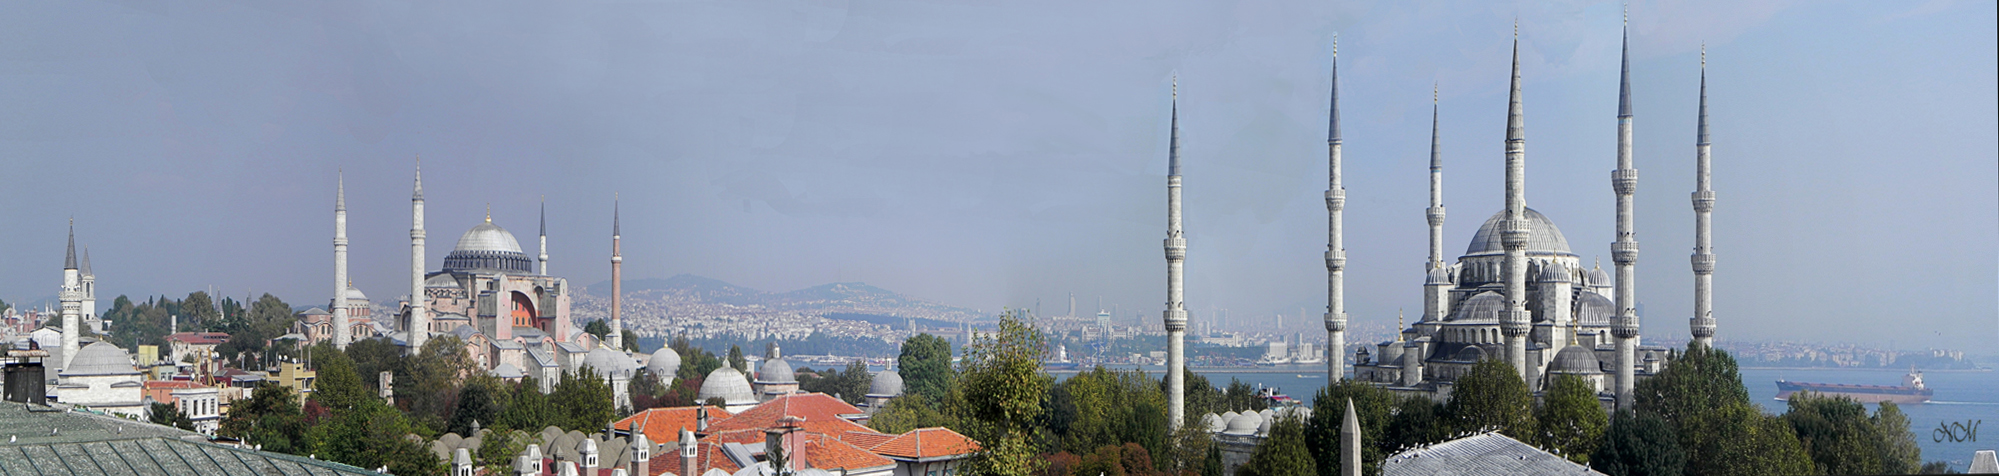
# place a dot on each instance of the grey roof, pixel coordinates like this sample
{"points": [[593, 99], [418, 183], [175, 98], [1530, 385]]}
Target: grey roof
{"points": [[1553, 273], [100, 358], [441, 280], [1437, 275], [1593, 309], [541, 358], [1481, 307], [776, 371], [487, 237], [84, 443], [665, 363], [506, 370], [728, 383], [887, 383], [1577, 360], [1703, 121], [1481, 454], [1471, 353], [1542, 235], [86, 250], [1598, 278], [1173, 141], [464, 332], [506, 345], [609, 363]]}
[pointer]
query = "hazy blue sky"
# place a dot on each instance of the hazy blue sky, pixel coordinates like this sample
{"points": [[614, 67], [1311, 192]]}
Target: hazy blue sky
{"points": [[992, 154]]}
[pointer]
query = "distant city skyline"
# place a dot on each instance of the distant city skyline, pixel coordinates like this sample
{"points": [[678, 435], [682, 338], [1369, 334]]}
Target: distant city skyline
{"points": [[992, 156]]}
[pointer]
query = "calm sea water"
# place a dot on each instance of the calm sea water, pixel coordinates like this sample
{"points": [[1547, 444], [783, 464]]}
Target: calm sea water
{"points": [[1965, 402]]}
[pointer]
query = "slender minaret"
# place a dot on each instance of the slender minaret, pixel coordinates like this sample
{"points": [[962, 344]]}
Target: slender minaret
{"points": [[1624, 251], [72, 299], [1436, 211], [89, 289], [544, 236], [1703, 320], [419, 323], [1513, 322], [617, 335], [1176, 252], [341, 334], [1336, 248]]}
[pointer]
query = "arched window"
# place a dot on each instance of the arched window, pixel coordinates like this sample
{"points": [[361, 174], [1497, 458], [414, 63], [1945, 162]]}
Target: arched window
{"points": [[524, 311]]}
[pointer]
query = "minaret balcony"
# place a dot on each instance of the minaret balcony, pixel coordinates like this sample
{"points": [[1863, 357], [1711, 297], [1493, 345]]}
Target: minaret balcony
{"points": [[1336, 322], [1514, 234], [1435, 214], [1624, 181], [1703, 263], [1704, 201], [1336, 199], [1624, 252], [1625, 326], [1336, 260], [1176, 248]]}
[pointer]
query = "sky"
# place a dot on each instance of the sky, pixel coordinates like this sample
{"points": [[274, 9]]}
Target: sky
{"points": [[1007, 154]]}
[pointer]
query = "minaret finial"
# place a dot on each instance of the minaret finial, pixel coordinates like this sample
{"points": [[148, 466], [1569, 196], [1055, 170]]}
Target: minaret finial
{"points": [[69, 258], [489, 212], [1515, 124], [1173, 145], [544, 215], [1333, 125], [1624, 74], [614, 215], [1703, 120], [340, 190], [419, 178]]}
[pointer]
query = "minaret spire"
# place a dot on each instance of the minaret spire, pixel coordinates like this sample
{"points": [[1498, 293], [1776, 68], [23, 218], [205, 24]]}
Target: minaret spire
{"points": [[1703, 259], [544, 236], [1624, 251], [1176, 253], [341, 334], [1336, 252], [1513, 321], [417, 326], [617, 334], [1436, 212], [69, 257], [72, 301]]}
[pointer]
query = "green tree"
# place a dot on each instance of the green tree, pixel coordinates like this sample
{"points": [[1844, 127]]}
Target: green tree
{"points": [[631, 340], [1899, 453], [1571, 419], [1492, 396], [598, 328], [909, 412], [1700, 394], [372, 357], [1836, 432], [338, 388], [479, 402], [531, 411], [925, 366], [1003, 387], [1417, 421], [198, 311], [1102, 407], [1283, 453], [736, 359], [501, 446], [167, 414], [1639, 445], [695, 362], [427, 384], [1373, 407], [269, 419], [585, 400], [1241, 397]]}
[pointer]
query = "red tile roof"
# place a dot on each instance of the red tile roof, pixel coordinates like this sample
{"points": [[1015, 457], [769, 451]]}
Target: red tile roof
{"points": [[927, 443], [662, 425], [821, 414], [708, 457], [821, 451]]}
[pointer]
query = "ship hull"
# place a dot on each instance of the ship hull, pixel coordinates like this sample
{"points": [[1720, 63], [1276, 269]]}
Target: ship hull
{"points": [[1859, 393]]}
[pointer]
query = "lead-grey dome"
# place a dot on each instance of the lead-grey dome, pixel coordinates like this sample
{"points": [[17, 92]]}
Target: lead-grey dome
{"points": [[487, 237], [1593, 309], [665, 364], [609, 363], [1438, 275], [887, 383], [728, 384], [1553, 273], [1598, 278], [1482, 307], [776, 371], [1576, 360], [1542, 236], [487, 246], [1244, 424], [100, 358]]}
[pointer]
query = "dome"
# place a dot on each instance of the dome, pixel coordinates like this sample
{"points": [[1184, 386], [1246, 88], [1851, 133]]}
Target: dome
{"points": [[887, 383], [665, 364], [1213, 423], [1542, 236], [1264, 428], [1593, 309], [354, 294], [487, 237], [487, 246], [1438, 275], [1482, 307], [1244, 424], [1575, 359], [609, 363], [728, 384], [776, 371], [100, 358], [1553, 273], [1471, 354], [1598, 278]]}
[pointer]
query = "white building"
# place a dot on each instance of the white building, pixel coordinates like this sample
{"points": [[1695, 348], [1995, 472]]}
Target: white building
{"points": [[102, 377]]}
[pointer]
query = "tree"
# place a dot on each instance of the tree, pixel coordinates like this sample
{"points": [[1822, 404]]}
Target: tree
{"points": [[372, 357], [585, 400], [198, 311], [695, 362], [1417, 421], [1372, 406], [531, 411], [1700, 394], [925, 366], [631, 340], [1899, 454], [909, 412], [428, 383], [1836, 432], [501, 446], [1492, 396], [850, 384], [1283, 453], [1003, 387], [167, 414], [1103, 407], [736, 359], [338, 387], [598, 328], [1571, 419], [1241, 397], [1639, 445], [479, 403], [270, 419]]}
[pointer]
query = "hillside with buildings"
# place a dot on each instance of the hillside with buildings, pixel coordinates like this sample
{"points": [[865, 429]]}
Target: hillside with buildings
{"points": [[705, 307]]}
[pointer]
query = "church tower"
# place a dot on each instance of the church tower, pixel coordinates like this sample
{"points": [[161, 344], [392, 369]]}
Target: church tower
{"points": [[1624, 252], [617, 336], [419, 321], [1336, 252], [1703, 259], [1513, 322], [72, 300], [1176, 253], [341, 334]]}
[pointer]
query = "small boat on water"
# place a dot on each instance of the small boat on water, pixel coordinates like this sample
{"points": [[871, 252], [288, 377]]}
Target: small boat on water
{"points": [[1912, 390]]}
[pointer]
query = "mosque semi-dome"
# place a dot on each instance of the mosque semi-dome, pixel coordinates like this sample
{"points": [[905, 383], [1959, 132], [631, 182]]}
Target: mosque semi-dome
{"points": [[1576, 360], [1593, 309], [1483, 307], [1542, 236], [1244, 424], [487, 246]]}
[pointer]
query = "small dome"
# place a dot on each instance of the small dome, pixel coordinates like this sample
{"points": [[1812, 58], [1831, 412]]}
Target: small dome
{"points": [[1553, 273], [609, 363], [887, 384], [487, 237], [1471, 354], [1576, 360], [1438, 275], [441, 280], [776, 371], [728, 384], [1213, 423], [1263, 429], [1593, 309], [1244, 424], [665, 364], [354, 294], [1598, 278], [1542, 236], [100, 358], [1227, 417], [1481, 308]]}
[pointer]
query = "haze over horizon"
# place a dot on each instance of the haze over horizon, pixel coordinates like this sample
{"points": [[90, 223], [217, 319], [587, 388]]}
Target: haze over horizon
{"points": [[998, 155]]}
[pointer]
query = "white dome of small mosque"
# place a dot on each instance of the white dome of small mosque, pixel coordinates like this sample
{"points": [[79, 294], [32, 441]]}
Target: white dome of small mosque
{"points": [[100, 358], [1213, 423], [354, 294], [665, 364], [728, 384], [776, 371], [887, 383], [1542, 236], [1576, 360], [1244, 424], [609, 363]]}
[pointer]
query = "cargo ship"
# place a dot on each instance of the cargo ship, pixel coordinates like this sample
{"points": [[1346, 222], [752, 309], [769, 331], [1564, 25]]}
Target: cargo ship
{"points": [[1912, 390]]}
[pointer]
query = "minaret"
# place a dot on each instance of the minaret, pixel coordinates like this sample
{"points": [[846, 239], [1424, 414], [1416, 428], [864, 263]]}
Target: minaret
{"points": [[1513, 321], [419, 323], [1436, 283], [1624, 251], [72, 299], [89, 289], [544, 237], [1176, 252], [617, 335], [341, 334], [1336, 250], [1703, 320]]}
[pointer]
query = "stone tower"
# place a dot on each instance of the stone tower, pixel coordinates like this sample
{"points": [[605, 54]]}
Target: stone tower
{"points": [[617, 336], [1513, 322], [88, 308], [1336, 252], [1437, 278], [419, 323], [1703, 259], [1624, 251], [1176, 253], [72, 300], [341, 334]]}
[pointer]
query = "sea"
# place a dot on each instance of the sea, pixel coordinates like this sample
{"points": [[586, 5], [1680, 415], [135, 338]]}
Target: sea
{"points": [[1948, 428]]}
